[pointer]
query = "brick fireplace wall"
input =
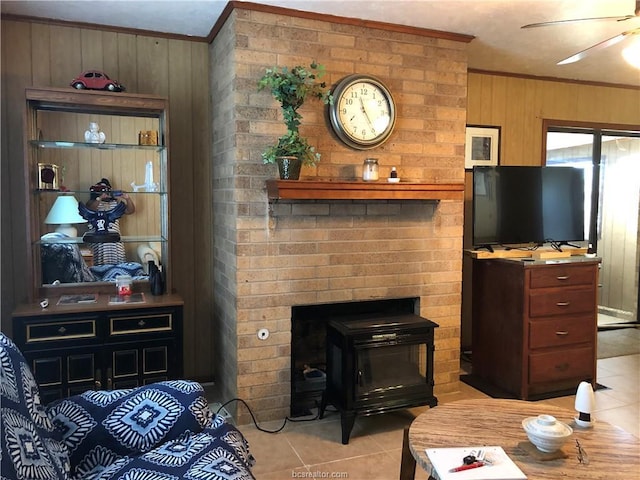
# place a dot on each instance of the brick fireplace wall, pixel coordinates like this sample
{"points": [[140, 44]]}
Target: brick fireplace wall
{"points": [[270, 257]]}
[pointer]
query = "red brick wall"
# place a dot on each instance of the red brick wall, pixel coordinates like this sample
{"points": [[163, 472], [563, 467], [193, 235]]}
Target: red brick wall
{"points": [[272, 256]]}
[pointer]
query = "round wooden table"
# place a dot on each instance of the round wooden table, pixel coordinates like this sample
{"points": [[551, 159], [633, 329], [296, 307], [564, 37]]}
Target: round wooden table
{"points": [[612, 452]]}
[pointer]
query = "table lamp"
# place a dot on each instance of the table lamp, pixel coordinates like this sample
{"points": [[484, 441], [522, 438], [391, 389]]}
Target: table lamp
{"points": [[585, 404], [63, 213]]}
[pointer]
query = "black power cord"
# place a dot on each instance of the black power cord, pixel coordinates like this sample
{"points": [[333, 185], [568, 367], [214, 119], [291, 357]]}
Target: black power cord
{"points": [[255, 422]]}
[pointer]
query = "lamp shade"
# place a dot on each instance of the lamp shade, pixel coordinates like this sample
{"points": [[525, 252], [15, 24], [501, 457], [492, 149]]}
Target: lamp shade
{"points": [[64, 212]]}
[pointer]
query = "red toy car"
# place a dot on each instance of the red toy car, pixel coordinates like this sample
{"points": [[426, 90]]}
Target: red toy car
{"points": [[96, 80]]}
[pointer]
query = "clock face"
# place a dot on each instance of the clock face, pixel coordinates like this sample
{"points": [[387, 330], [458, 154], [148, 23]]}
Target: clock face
{"points": [[363, 113]]}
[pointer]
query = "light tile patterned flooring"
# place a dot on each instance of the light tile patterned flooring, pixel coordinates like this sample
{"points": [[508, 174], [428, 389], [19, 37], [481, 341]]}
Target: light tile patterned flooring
{"points": [[313, 449]]}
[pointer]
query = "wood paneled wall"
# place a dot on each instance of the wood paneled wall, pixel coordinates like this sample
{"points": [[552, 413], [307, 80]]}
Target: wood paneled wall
{"points": [[37, 54], [519, 106]]}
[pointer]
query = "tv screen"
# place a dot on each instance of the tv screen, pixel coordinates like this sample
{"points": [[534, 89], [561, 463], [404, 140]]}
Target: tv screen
{"points": [[524, 205]]}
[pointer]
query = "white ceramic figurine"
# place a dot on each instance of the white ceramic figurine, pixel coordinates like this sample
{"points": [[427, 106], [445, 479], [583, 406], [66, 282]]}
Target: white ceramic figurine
{"points": [[94, 135]]}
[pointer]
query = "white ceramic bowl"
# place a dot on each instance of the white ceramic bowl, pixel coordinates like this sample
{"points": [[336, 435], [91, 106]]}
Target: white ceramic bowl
{"points": [[546, 433]]}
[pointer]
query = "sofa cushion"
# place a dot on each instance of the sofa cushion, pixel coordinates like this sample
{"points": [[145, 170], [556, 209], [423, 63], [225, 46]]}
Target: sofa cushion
{"points": [[218, 452], [105, 425], [30, 448]]}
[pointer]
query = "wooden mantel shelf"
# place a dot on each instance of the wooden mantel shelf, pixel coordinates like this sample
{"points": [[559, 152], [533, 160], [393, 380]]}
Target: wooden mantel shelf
{"points": [[359, 190]]}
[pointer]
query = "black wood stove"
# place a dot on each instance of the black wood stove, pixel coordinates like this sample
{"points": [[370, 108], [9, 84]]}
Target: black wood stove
{"points": [[378, 364]]}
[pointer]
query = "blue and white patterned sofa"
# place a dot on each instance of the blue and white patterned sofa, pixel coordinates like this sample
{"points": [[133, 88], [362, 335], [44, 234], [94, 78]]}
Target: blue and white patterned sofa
{"points": [[162, 431]]}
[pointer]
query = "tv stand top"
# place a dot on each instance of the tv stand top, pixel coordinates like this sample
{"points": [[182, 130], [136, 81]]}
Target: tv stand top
{"points": [[540, 253]]}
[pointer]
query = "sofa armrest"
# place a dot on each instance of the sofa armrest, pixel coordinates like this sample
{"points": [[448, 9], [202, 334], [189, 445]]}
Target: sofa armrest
{"points": [[129, 422], [232, 438]]}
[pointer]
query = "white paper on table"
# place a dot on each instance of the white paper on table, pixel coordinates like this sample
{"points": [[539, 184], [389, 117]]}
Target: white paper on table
{"points": [[501, 468]]}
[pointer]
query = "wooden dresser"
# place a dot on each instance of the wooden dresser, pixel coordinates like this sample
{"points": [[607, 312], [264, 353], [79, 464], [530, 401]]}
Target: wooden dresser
{"points": [[534, 324]]}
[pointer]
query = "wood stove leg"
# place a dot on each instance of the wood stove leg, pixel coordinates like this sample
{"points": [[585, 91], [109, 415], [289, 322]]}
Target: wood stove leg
{"points": [[408, 463], [347, 419]]}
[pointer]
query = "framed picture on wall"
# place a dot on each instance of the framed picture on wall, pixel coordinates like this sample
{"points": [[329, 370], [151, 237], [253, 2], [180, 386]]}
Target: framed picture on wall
{"points": [[482, 146]]}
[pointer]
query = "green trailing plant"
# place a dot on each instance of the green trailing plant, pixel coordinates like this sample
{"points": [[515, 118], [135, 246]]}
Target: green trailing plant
{"points": [[291, 87]]}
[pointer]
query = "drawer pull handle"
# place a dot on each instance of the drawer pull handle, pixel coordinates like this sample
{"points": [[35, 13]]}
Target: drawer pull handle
{"points": [[141, 323], [563, 277], [562, 367], [62, 330], [98, 382], [563, 304], [562, 333]]}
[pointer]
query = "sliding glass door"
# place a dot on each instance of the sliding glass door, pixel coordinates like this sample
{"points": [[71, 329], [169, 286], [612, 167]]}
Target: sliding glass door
{"points": [[611, 160]]}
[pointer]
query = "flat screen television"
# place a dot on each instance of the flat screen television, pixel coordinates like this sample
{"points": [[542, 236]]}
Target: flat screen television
{"points": [[527, 205]]}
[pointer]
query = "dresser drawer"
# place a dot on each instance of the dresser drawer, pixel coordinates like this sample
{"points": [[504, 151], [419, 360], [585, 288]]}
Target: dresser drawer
{"points": [[561, 331], [60, 330], [562, 301], [137, 324], [562, 364], [562, 276]]}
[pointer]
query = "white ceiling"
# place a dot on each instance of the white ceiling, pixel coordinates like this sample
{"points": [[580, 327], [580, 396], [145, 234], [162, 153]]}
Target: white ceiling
{"points": [[500, 44]]}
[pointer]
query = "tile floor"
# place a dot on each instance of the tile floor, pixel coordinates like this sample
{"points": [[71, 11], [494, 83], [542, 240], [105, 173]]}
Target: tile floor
{"points": [[313, 449]]}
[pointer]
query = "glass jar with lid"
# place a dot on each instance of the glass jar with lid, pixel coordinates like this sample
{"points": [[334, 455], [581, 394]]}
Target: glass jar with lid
{"points": [[370, 170]]}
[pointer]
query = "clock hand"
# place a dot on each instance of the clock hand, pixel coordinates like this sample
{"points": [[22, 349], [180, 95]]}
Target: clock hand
{"points": [[366, 115]]}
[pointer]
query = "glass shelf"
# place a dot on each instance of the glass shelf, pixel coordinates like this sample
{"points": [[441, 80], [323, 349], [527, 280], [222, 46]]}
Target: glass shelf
{"points": [[45, 191], [123, 239], [96, 146]]}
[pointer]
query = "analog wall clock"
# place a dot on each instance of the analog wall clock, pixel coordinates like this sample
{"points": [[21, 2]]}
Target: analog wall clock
{"points": [[363, 113]]}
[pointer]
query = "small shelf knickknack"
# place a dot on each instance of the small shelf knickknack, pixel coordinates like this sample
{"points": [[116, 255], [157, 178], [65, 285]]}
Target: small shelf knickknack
{"points": [[358, 190]]}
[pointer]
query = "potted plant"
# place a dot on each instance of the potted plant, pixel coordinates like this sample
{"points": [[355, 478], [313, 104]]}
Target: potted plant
{"points": [[291, 87]]}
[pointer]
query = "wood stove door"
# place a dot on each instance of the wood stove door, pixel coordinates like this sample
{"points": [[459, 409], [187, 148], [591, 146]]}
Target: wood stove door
{"points": [[381, 368]]}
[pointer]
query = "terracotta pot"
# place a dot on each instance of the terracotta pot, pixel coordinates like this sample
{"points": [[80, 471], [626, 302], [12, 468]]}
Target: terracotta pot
{"points": [[289, 167]]}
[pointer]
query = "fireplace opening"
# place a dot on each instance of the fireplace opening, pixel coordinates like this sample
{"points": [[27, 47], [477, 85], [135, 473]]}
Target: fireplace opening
{"points": [[309, 347]]}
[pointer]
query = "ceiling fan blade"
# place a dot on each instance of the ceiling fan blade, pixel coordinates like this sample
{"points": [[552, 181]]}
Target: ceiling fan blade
{"points": [[598, 46], [576, 20], [622, 18]]}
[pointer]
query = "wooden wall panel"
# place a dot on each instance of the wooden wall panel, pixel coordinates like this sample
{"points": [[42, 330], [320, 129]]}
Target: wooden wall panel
{"points": [[127, 61], [202, 191], [40, 54], [65, 54], [92, 51], [178, 55], [15, 74], [35, 54]]}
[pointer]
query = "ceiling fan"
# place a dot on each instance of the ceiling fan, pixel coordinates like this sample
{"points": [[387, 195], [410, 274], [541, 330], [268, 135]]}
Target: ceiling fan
{"points": [[598, 46]]}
